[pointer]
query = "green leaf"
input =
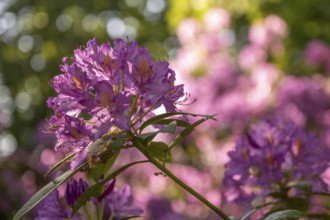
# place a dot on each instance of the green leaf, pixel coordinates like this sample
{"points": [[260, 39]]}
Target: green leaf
{"points": [[159, 150], [60, 163], [45, 191], [103, 153], [157, 118], [289, 213], [96, 189], [249, 213], [170, 128], [186, 132], [102, 168], [133, 99], [111, 142], [147, 137], [302, 185], [179, 122], [118, 142]]}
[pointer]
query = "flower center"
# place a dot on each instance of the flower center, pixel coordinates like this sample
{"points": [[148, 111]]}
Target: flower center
{"points": [[77, 82], [105, 99], [75, 133], [144, 67]]}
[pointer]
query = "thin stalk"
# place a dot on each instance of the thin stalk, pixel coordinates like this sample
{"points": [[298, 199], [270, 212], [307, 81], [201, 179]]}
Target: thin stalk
{"points": [[112, 215], [122, 84], [100, 209], [136, 115], [87, 213], [134, 130], [144, 114], [142, 149], [133, 107]]}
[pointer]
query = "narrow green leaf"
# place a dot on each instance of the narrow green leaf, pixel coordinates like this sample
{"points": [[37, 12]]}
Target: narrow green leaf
{"points": [[157, 118], [179, 122], [289, 213], [159, 151], [118, 142], [102, 168], [45, 191], [186, 132], [170, 128], [249, 213], [302, 185], [148, 135], [148, 139], [111, 142], [96, 189], [133, 99], [60, 163], [106, 150]]}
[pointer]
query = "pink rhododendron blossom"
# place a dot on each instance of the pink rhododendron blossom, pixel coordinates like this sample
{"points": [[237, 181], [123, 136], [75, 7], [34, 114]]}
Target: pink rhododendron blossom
{"points": [[96, 92]]}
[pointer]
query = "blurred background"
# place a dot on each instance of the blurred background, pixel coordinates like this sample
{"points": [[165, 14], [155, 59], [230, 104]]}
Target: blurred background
{"points": [[244, 59]]}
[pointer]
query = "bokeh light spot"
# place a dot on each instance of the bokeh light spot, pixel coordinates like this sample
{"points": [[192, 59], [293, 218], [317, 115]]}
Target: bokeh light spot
{"points": [[40, 20], [63, 22], [115, 27], [23, 101], [8, 144], [29, 181], [25, 43], [38, 62], [47, 157], [90, 22], [32, 85], [155, 6], [7, 22]]}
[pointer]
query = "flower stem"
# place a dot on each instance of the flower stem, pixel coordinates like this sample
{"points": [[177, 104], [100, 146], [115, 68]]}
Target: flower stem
{"points": [[143, 150], [112, 215], [145, 113], [87, 213], [100, 208]]}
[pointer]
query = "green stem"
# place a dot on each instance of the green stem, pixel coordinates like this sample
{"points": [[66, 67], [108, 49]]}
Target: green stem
{"points": [[100, 209], [142, 149], [144, 114], [133, 107], [112, 215], [86, 213]]}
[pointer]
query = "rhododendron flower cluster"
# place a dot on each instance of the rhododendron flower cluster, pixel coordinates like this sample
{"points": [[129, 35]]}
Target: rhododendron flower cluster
{"points": [[116, 203], [317, 54], [270, 157], [105, 87]]}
